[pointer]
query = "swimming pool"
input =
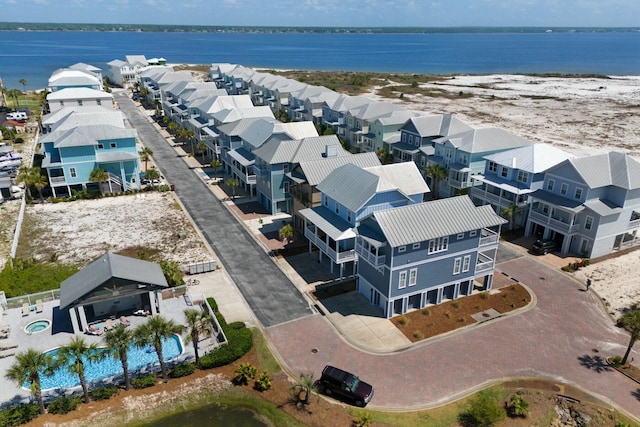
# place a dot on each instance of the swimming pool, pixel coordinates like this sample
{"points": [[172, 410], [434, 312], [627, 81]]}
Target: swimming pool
{"points": [[109, 367]]}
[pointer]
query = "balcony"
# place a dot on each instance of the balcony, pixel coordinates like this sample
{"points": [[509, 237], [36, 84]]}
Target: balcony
{"points": [[337, 257], [458, 184], [484, 264], [557, 224], [57, 180], [633, 224], [488, 238], [371, 258]]}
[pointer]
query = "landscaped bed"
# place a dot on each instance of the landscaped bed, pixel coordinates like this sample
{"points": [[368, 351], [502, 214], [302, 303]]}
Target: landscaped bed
{"points": [[450, 315]]}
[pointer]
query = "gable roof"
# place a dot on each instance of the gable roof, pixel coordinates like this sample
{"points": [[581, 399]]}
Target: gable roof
{"points": [[535, 158], [612, 168], [235, 114], [405, 176], [484, 140], [439, 125], [87, 135], [346, 102], [74, 93], [70, 117], [317, 170], [261, 130], [275, 151], [69, 77], [93, 276], [425, 221], [136, 60], [214, 104]]}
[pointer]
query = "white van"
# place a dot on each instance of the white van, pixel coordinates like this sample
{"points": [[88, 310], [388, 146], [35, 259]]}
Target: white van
{"points": [[17, 115]]}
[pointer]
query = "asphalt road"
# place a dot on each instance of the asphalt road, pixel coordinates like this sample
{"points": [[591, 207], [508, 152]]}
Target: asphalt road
{"points": [[269, 293]]}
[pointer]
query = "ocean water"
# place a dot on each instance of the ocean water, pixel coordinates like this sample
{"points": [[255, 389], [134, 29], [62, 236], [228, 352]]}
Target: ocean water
{"points": [[34, 55]]}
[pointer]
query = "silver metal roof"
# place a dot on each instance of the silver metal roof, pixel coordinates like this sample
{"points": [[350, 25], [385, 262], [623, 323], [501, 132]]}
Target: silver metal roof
{"points": [[535, 158], [439, 124], [405, 176], [276, 151], [110, 156], [242, 156], [612, 168], [484, 140], [330, 223], [317, 170], [430, 220]]}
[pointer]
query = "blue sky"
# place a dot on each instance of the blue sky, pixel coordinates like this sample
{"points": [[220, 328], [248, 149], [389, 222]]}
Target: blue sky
{"points": [[330, 13]]}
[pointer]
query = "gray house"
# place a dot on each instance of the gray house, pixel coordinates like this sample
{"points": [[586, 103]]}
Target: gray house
{"points": [[588, 205], [420, 254]]}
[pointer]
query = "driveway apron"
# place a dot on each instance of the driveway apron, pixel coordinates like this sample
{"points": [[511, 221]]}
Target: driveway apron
{"points": [[269, 293]]}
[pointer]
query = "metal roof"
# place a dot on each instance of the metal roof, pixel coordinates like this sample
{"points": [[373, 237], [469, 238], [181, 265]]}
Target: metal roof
{"points": [[430, 220], [73, 93], [603, 207], [405, 176], [235, 114], [276, 151], [439, 125], [87, 135], [557, 200], [95, 275], [242, 156], [612, 168], [110, 156], [535, 158], [345, 103], [484, 140], [330, 223], [317, 170]]}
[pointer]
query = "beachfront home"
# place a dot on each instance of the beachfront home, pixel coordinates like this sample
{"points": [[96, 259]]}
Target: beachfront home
{"points": [[415, 143], [111, 286], [72, 116], [589, 205], [334, 111], [462, 156], [510, 176], [155, 79], [423, 253], [239, 139], [306, 176], [384, 131], [63, 78], [358, 119], [78, 97], [305, 103], [88, 68], [349, 194], [73, 149]]}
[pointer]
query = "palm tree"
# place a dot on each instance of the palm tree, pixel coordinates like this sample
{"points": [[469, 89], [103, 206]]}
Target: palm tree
{"points": [[233, 183], [152, 173], [118, 341], [25, 174], [156, 330], [15, 94], [145, 156], [202, 147], [286, 233], [199, 323], [74, 355], [173, 128], [29, 366], [304, 387], [100, 175], [23, 82], [216, 164], [437, 174], [39, 181], [631, 322], [510, 214]]}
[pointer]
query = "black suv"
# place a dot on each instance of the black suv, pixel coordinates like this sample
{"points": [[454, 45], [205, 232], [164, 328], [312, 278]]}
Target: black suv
{"points": [[541, 247], [345, 385]]}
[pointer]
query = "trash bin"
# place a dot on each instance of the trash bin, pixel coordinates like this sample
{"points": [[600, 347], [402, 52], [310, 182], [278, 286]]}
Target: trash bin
{"points": [[173, 187]]}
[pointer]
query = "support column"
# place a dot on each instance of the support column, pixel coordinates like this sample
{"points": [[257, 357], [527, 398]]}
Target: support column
{"points": [[152, 302], [73, 314], [456, 290], [488, 282], [83, 318], [341, 270], [440, 294]]}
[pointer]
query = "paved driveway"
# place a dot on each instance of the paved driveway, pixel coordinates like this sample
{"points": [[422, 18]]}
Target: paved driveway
{"points": [[563, 338], [270, 294]]}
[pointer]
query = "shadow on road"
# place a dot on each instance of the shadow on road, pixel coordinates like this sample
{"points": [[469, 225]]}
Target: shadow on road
{"points": [[595, 363]]}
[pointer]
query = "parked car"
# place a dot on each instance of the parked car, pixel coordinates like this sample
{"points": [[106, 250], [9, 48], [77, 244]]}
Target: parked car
{"points": [[541, 247], [335, 381]]}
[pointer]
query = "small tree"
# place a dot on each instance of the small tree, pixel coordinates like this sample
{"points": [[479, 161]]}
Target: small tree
{"points": [[145, 156], [510, 214], [286, 233], [244, 373], [152, 173], [74, 355], [302, 389], [233, 183], [154, 332], [23, 82], [216, 165], [199, 323], [437, 174], [519, 407], [29, 367], [118, 341], [484, 411], [631, 322], [172, 273], [202, 147], [100, 175]]}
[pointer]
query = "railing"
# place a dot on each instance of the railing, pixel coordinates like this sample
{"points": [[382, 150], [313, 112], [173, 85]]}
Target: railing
{"points": [[488, 240], [558, 224], [458, 183], [633, 224], [57, 180], [484, 263], [16, 302], [337, 257], [371, 258]]}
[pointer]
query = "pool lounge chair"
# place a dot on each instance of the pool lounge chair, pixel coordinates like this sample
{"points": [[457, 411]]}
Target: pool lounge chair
{"points": [[108, 325], [124, 322], [25, 309], [39, 306], [93, 331], [7, 353]]}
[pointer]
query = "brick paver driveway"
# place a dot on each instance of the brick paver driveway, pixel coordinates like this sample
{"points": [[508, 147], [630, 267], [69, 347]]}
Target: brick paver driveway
{"points": [[555, 340]]}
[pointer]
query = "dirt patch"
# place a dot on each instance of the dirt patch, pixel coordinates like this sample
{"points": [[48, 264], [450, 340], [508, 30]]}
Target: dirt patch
{"points": [[438, 319]]}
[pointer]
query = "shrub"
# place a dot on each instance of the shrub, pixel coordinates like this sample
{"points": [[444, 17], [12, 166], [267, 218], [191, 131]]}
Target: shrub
{"points": [[244, 373], [20, 414], [362, 420], [518, 407], [456, 304], [104, 393], [64, 404], [144, 381], [239, 342], [484, 411], [426, 311], [462, 319], [447, 314], [182, 370], [484, 295], [418, 335], [616, 361], [263, 382]]}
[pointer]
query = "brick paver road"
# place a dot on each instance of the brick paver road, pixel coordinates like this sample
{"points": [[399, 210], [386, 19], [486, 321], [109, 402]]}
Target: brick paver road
{"points": [[554, 340]]}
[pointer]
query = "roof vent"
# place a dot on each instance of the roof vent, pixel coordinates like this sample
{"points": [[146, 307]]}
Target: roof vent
{"points": [[331, 151]]}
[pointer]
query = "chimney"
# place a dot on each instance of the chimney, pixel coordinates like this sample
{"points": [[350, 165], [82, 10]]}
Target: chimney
{"points": [[330, 151]]}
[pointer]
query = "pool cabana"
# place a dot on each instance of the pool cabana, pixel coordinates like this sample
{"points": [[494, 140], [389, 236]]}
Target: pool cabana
{"points": [[111, 286]]}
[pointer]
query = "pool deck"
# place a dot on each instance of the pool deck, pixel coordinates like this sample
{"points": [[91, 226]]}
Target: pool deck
{"points": [[60, 333]]}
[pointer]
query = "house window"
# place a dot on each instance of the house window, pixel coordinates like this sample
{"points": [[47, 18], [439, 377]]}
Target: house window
{"points": [[411, 139], [100, 146], [98, 101], [578, 194], [402, 280], [463, 159], [550, 185], [413, 276], [493, 167], [349, 215], [285, 168], [564, 188], [466, 263], [402, 249], [112, 145], [285, 188], [457, 263], [588, 223], [416, 245], [404, 137], [423, 162], [73, 173], [460, 236], [326, 201], [473, 233], [545, 208], [337, 207], [523, 176], [79, 103], [504, 172], [438, 245]]}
